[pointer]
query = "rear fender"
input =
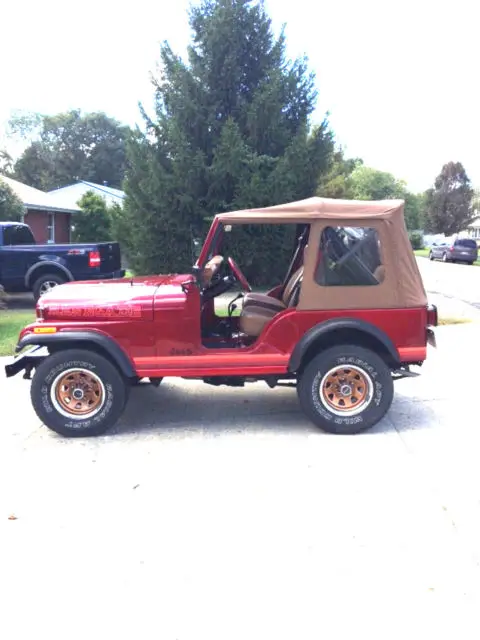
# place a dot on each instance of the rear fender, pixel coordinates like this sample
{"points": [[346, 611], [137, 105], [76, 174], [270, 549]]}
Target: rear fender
{"points": [[47, 266], [343, 330]]}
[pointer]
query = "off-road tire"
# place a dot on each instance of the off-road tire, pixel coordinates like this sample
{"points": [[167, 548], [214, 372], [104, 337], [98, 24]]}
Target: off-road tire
{"points": [[41, 280], [115, 393], [315, 405]]}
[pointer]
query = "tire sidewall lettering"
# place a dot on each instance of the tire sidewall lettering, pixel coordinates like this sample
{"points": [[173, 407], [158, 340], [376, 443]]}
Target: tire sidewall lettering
{"points": [[68, 423], [348, 420]]}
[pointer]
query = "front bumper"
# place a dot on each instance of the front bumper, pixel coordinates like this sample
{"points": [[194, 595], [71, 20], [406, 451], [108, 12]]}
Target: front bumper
{"points": [[26, 362]]}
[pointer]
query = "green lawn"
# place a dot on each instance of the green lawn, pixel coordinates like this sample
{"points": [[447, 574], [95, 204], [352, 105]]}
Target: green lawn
{"points": [[11, 323], [423, 253]]}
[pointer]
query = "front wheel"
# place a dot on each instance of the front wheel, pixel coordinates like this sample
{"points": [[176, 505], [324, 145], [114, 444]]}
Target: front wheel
{"points": [[78, 393], [430, 255], [346, 389]]}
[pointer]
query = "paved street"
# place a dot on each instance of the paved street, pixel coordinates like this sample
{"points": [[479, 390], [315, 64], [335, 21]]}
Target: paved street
{"points": [[220, 513], [455, 287]]}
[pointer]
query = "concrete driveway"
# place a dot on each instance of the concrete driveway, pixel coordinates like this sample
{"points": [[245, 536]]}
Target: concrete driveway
{"points": [[223, 514]]}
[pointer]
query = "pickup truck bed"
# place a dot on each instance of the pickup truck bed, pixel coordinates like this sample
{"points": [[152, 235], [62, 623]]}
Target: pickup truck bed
{"points": [[27, 266]]}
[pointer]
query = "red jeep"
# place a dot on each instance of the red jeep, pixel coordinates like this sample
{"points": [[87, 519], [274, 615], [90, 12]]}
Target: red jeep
{"points": [[349, 318]]}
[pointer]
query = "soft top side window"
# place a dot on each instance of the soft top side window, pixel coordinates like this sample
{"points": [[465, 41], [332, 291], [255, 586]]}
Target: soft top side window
{"points": [[348, 257]]}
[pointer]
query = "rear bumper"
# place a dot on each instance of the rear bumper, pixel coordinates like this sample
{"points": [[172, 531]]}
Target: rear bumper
{"points": [[467, 257], [26, 362], [113, 275]]}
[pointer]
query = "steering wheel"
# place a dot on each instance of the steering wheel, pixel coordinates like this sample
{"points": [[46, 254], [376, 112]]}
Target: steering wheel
{"points": [[239, 275]]}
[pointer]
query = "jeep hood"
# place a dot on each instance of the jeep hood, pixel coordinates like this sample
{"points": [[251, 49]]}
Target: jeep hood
{"points": [[109, 299]]}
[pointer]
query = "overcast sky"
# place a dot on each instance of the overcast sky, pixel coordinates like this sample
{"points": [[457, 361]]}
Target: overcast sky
{"points": [[400, 79]]}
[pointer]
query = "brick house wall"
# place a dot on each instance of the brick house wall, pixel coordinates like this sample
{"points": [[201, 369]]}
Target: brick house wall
{"points": [[39, 223]]}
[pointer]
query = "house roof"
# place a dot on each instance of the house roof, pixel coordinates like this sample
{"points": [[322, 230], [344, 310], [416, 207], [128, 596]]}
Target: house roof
{"points": [[35, 199], [71, 194]]}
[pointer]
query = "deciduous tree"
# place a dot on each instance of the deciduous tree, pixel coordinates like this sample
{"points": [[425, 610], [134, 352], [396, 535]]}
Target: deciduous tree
{"points": [[70, 146], [11, 207]]}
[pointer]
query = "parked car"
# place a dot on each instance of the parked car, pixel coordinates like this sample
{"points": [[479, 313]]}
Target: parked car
{"points": [[457, 250], [350, 317], [27, 266]]}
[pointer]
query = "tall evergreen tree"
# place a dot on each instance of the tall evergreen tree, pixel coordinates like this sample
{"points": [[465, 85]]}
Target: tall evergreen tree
{"points": [[449, 204], [231, 130]]}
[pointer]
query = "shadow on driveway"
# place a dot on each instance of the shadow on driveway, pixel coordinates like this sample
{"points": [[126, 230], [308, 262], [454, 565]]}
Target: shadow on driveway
{"points": [[194, 407]]}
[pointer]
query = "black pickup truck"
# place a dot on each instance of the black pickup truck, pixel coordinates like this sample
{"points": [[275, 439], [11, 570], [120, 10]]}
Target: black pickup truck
{"points": [[26, 266]]}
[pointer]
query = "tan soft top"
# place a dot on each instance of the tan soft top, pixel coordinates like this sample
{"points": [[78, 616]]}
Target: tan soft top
{"points": [[317, 209], [402, 285]]}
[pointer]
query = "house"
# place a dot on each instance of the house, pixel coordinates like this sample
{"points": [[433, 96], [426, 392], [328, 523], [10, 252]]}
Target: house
{"points": [[70, 195], [473, 230], [49, 220]]}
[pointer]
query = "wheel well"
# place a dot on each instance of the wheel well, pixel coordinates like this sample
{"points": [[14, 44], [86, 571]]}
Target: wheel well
{"points": [[44, 270], [349, 336], [86, 346]]}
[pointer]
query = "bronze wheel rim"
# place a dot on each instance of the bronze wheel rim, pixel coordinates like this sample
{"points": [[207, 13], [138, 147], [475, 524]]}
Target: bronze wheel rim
{"points": [[346, 390], [78, 394]]}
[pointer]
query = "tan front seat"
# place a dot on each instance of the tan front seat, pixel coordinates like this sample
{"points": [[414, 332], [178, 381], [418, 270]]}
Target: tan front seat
{"points": [[254, 316], [264, 301], [253, 319]]}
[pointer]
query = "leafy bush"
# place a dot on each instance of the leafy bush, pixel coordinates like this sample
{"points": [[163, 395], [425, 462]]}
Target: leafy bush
{"points": [[93, 222], [416, 240]]}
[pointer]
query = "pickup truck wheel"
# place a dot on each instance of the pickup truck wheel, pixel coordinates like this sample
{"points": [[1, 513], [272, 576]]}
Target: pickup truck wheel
{"points": [[346, 389], [78, 393], [45, 283]]}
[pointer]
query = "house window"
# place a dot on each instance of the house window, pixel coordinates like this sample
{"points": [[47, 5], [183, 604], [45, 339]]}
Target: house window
{"points": [[349, 257], [51, 228]]}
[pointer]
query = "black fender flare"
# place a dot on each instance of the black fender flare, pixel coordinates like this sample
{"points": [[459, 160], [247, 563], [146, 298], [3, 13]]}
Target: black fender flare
{"points": [[107, 344], [336, 324], [46, 263]]}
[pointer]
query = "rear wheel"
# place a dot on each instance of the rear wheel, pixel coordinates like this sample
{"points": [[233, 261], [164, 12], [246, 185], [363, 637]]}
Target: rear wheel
{"points": [[444, 258], [46, 283], [346, 389], [78, 393]]}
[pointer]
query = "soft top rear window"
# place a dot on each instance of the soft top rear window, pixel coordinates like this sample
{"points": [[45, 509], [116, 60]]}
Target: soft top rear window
{"points": [[471, 244]]}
